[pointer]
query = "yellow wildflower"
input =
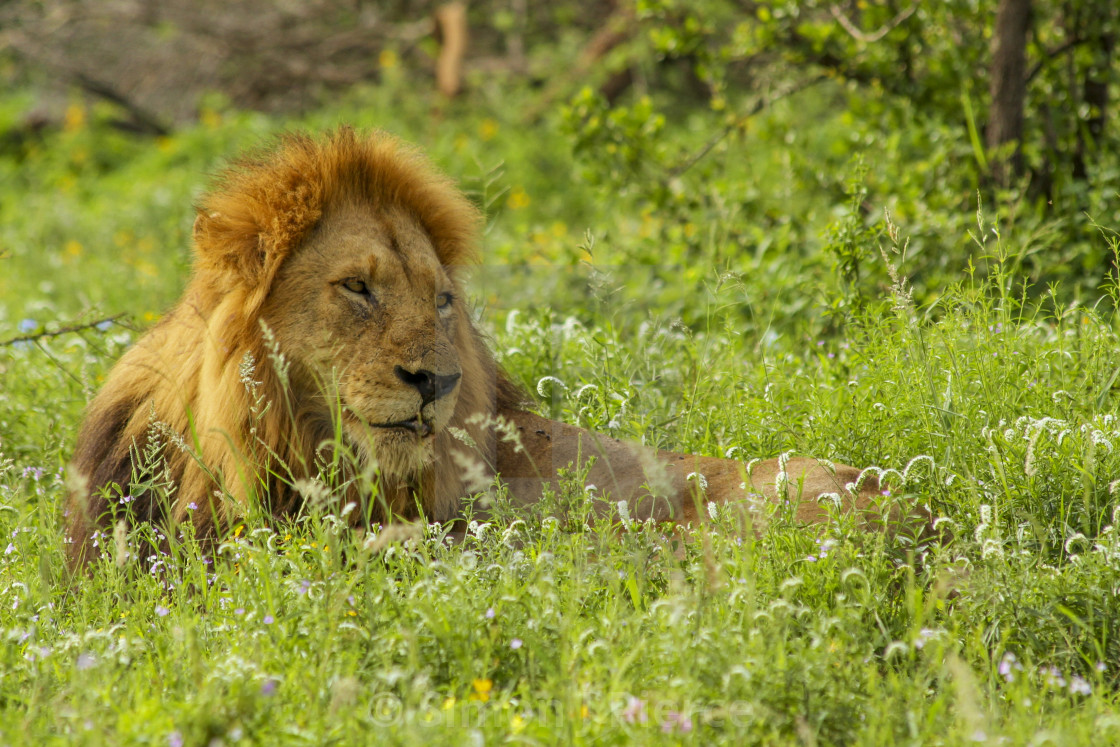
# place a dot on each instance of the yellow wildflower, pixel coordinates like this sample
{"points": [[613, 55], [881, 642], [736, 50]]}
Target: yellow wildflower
{"points": [[387, 59], [147, 268], [75, 118], [210, 118], [482, 688], [487, 129], [517, 199]]}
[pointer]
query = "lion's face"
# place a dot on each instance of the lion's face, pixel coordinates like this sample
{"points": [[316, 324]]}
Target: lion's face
{"points": [[370, 319]]}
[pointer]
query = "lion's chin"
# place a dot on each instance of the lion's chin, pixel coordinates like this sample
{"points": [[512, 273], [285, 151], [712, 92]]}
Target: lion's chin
{"points": [[397, 451]]}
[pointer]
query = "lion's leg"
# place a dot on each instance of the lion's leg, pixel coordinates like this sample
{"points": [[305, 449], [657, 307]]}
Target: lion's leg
{"points": [[620, 471]]}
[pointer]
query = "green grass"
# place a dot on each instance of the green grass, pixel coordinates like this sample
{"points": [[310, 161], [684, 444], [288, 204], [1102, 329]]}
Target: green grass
{"points": [[693, 329]]}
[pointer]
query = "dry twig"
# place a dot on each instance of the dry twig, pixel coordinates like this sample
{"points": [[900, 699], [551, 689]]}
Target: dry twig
{"points": [[874, 36], [60, 331]]}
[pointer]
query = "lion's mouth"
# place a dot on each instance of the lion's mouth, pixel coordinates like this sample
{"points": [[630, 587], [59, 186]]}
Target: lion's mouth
{"points": [[414, 424]]}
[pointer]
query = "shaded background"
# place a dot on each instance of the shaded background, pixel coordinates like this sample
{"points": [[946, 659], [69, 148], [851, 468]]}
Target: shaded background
{"points": [[1011, 104]]}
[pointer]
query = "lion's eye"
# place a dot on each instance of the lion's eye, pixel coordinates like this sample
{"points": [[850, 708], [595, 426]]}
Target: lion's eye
{"points": [[443, 301], [356, 286]]}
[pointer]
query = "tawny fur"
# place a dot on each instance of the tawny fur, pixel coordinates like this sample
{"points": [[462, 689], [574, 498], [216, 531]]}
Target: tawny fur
{"points": [[273, 243]]}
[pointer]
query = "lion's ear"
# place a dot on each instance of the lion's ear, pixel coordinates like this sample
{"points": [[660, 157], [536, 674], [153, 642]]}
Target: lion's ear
{"points": [[227, 244], [199, 226]]}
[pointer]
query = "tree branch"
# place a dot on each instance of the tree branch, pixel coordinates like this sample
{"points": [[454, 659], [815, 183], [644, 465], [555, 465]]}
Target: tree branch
{"points": [[60, 331], [144, 121], [141, 121], [758, 106], [874, 36], [1051, 54]]}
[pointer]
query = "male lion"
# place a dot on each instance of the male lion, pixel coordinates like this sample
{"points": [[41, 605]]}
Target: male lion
{"points": [[326, 307]]}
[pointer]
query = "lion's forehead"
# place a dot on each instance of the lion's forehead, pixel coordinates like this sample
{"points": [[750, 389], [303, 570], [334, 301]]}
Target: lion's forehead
{"points": [[388, 245]]}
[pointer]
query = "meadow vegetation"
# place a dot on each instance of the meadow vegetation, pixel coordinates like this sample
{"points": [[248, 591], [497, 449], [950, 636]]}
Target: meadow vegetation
{"points": [[818, 285]]}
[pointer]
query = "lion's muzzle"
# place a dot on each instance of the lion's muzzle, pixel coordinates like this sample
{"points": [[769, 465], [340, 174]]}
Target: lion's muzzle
{"points": [[431, 386]]}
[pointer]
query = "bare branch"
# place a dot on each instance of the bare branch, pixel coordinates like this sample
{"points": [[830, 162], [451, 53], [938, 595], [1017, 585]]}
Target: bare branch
{"points": [[1052, 54], [60, 331], [759, 105], [141, 120], [869, 38]]}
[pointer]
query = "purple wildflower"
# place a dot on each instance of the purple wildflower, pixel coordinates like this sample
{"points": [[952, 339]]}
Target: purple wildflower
{"points": [[1080, 686], [1008, 665], [635, 711], [675, 721]]}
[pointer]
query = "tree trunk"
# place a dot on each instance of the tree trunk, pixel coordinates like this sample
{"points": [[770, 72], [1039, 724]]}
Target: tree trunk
{"points": [[1095, 92], [451, 28], [1008, 85]]}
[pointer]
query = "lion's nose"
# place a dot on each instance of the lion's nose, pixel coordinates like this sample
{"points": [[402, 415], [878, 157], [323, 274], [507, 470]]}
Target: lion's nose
{"points": [[431, 386]]}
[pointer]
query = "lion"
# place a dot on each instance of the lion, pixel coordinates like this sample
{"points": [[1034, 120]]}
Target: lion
{"points": [[326, 306]]}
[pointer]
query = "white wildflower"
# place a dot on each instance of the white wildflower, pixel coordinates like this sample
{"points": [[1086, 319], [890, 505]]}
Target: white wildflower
{"points": [[624, 514], [579, 392], [549, 379], [699, 478]]}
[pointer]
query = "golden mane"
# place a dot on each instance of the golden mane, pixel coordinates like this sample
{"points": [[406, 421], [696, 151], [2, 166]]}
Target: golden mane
{"points": [[198, 392]]}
